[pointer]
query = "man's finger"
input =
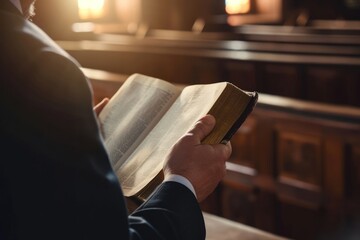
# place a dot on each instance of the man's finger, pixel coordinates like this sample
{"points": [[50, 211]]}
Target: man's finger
{"points": [[224, 150], [203, 127], [99, 107]]}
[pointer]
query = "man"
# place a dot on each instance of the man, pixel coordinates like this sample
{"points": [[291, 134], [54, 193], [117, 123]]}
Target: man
{"points": [[55, 178]]}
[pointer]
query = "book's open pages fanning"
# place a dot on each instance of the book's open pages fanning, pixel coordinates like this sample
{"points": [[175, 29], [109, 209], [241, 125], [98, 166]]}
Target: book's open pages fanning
{"points": [[146, 117]]}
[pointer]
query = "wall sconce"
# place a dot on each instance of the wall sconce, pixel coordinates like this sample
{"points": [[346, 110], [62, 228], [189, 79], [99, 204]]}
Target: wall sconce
{"points": [[91, 9], [237, 6]]}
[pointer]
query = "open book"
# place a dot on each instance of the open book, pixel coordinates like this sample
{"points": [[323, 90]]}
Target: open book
{"points": [[147, 116]]}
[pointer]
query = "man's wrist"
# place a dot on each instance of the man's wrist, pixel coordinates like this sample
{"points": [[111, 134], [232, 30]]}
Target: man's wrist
{"points": [[182, 180]]}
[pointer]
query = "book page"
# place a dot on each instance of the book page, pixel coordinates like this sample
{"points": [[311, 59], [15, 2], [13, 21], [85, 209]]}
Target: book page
{"points": [[147, 160], [129, 117]]}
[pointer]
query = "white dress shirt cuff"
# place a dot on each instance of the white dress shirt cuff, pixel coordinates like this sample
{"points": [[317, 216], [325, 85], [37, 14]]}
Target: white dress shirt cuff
{"points": [[182, 180]]}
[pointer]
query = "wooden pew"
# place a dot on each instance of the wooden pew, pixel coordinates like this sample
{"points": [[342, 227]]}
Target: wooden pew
{"points": [[330, 35], [299, 34], [192, 40], [312, 72], [294, 170], [294, 163]]}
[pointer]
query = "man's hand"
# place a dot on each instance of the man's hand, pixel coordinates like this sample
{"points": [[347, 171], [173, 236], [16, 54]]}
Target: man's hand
{"points": [[202, 164], [100, 106]]}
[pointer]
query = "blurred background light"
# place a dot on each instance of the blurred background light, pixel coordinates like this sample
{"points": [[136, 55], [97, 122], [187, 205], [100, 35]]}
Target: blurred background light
{"points": [[90, 9], [237, 6]]}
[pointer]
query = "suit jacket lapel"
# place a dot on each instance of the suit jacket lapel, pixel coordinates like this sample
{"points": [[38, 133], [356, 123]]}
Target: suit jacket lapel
{"points": [[7, 6]]}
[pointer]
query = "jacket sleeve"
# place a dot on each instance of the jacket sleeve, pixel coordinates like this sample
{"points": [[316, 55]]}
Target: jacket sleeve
{"points": [[174, 210]]}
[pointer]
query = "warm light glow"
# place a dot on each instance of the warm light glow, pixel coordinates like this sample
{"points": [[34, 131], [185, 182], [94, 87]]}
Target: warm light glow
{"points": [[237, 6], [91, 8], [128, 11]]}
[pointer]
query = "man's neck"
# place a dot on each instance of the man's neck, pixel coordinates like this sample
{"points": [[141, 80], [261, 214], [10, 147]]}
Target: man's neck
{"points": [[17, 4]]}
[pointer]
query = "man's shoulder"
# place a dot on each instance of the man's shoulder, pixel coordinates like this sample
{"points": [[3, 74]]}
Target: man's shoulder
{"points": [[25, 36]]}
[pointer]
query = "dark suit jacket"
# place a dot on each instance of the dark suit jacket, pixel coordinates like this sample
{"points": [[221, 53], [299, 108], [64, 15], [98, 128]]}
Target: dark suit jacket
{"points": [[55, 178]]}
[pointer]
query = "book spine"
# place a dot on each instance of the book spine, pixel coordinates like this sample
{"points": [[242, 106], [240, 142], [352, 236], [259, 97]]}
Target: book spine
{"points": [[241, 119]]}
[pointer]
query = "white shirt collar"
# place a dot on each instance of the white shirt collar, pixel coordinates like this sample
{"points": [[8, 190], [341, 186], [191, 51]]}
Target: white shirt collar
{"points": [[17, 4]]}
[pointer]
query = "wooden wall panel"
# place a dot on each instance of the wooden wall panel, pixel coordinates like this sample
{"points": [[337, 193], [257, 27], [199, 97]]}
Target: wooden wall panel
{"points": [[297, 222], [242, 74], [299, 157], [238, 204], [244, 144], [332, 84], [283, 80], [266, 210], [353, 86], [333, 165], [206, 71], [353, 171]]}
